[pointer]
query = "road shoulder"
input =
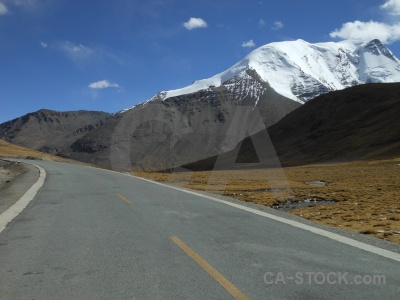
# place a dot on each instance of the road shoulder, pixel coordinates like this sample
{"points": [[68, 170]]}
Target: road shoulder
{"points": [[17, 193], [19, 184], [346, 234]]}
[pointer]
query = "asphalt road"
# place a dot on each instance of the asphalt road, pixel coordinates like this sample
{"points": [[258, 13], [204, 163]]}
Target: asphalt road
{"points": [[95, 234]]}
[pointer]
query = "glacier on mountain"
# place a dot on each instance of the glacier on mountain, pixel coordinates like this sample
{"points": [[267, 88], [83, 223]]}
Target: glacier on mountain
{"points": [[301, 71]]}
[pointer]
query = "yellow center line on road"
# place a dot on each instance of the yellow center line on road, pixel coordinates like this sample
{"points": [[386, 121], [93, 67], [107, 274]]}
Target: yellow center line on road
{"points": [[227, 285], [127, 201]]}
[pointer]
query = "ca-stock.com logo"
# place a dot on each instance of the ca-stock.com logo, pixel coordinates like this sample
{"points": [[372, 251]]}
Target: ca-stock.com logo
{"points": [[322, 278]]}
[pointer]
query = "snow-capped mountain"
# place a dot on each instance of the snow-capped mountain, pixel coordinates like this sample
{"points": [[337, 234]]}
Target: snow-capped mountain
{"points": [[301, 71], [213, 115]]}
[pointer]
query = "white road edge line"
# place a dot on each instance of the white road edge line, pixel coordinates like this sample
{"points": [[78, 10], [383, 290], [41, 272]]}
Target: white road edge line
{"points": [[328, 234], [334, 236], [13, 211]]}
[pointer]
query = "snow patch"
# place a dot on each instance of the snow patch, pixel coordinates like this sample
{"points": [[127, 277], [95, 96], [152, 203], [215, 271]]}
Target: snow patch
{"points": [[301, 71]]}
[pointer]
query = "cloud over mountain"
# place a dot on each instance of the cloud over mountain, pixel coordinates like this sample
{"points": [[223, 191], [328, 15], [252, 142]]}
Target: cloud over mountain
{"points": [[393, 6], [249, 44], [365, 31]]}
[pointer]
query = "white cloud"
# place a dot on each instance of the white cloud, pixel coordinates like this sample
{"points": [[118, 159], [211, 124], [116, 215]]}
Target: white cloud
{"points": [[366, 31], [81, 54], [195, 23], [248, 44], [393, 6], [3, 9], [261, 23], [277, 25], [103, 84], [77, 53], [27, 5]]}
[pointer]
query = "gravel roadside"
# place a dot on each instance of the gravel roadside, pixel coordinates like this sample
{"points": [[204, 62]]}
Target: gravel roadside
{"points": [[10, 170], [15, 179]]}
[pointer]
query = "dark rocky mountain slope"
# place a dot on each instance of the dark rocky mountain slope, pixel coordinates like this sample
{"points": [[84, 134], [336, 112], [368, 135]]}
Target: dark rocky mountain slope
{"points": [[162, 133], [51, 131], [356, 123]]}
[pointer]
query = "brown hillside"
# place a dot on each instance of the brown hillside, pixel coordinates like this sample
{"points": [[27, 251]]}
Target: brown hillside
{"points": [[356, 123], [8, 150]]}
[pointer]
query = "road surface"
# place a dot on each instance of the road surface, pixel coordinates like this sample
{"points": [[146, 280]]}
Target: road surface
{"points": [[95, 234]]}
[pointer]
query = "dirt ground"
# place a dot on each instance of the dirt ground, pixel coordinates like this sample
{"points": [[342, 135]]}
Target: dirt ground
{"points": [[9, 171], [362, 196]]}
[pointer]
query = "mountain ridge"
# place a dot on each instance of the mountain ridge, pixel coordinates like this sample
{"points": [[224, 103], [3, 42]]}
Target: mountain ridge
{"points": [[356, 123], [212, 115], [51, 131], [194, 125], [301, 71]]}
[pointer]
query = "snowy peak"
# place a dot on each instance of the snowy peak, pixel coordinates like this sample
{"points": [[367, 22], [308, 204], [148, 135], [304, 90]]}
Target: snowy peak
{"points": [[301, 71], [245, 86], [377, 48], [376, 63]]}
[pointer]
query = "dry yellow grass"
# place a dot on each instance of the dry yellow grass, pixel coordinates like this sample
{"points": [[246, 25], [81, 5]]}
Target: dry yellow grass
{"points": [[8, 150], [368, 192]]}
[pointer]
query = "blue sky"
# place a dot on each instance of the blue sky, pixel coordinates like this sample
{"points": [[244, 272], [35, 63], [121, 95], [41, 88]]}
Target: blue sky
{"points": [[109, 55]]}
